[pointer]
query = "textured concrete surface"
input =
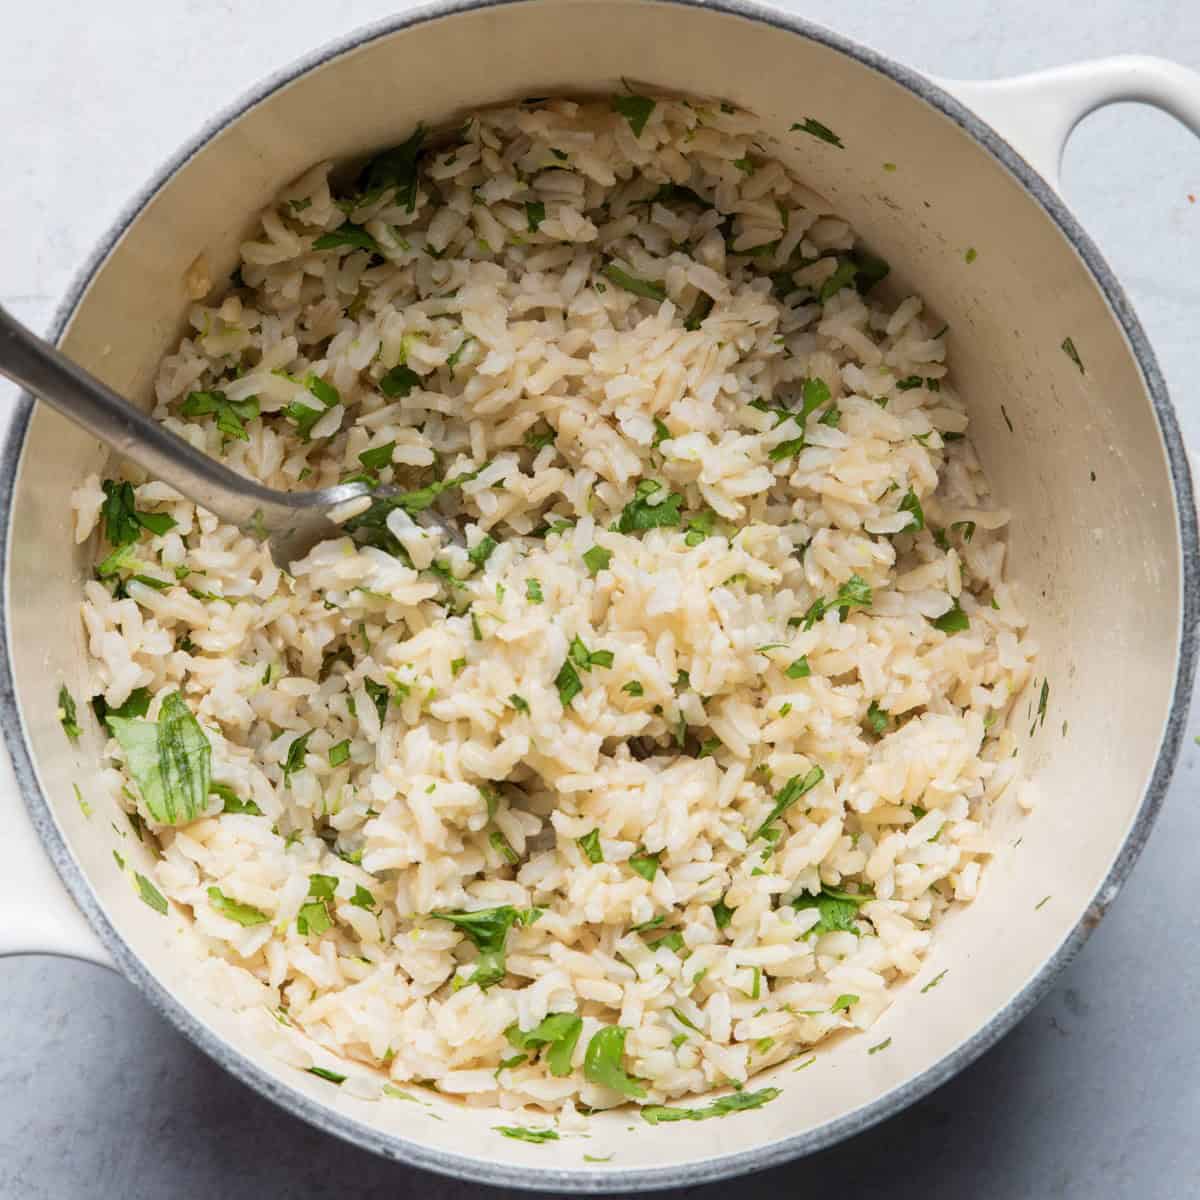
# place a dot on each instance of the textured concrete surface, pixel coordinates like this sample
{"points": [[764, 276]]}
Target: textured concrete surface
{"points": [[1096, 1094]]}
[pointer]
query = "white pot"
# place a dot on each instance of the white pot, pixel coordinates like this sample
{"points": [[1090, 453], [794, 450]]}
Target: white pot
{"points": [[1090, 460]]}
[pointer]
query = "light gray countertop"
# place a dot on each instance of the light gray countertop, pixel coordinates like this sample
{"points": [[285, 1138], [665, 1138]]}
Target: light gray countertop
{"points": [[1095, 1094]]}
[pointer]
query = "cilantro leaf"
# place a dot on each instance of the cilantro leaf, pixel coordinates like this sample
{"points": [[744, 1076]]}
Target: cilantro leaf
{"points": [[636, 110], [590, 845], [170, 760], [877, 719], [813, 126], [639, 514], [559, 1031], [631, 283], [347, 234], [378, 457], [791, 791], [399, 381], [398, 168], [699, 526], [243, 914], [231, 802], [656, 1114], [151, 895], [568, 683], [67, 715], [295, 755], [535, 214], [645, 865], [118, 513], [521, 1134], [137, 704], [488, 929], [482, 550], [602, 1063], [953, 620], [596, 559], [230, 414], [838, 910], [911, 505]]}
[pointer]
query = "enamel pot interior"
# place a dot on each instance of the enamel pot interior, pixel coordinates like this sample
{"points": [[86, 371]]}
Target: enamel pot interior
{"points": [[1082, 457]]}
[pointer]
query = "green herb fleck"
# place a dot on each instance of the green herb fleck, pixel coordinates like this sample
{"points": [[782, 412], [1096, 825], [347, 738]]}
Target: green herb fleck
{"points": [[590, 845], [170, 760], [954, 620], [67, 715], [796, 786], [934, 982], [520, 1134], [636, 110], [1069, 350], [631, 283], [602, 1063], [813, 126], [157, 901], [657, 1114], [243, 914]]}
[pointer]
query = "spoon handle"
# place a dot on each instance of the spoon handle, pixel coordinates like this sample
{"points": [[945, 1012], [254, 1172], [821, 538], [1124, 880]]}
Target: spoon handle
{"points": [[48, 374]]}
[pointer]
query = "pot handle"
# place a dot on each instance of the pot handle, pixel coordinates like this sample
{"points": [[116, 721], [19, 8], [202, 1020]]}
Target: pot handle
{"points": [[36, 914], [1037, 112]]}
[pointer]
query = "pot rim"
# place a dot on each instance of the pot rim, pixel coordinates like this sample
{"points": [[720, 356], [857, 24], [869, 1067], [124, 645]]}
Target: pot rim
{"points": [[403, 1149]]}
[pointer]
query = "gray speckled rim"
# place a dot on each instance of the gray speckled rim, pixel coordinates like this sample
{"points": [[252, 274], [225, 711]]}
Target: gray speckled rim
{"points": [[600, 1181]]}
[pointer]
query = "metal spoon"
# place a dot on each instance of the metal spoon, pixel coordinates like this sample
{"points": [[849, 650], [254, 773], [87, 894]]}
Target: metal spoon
{"points": [[290, 522]]}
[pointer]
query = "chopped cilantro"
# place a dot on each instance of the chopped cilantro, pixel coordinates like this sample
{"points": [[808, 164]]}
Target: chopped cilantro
{"points": [[813, 126], [953, 620], [631, 283], [737, 1102], [67, 715], [156, 900], [796, 786], [640, 514], [347, 234], [596, 559], [533, 591], [877, 719], [645, 865], [230, 414], [799, 669], [242, 914], [378, 457], [521, 1134], [559, 1031], [399, 381], [912, 505], [519, 703], [590, 845], [837, 910], [170, 760], [602, 1063], [535, 214], [634, 688], [636, 110]]}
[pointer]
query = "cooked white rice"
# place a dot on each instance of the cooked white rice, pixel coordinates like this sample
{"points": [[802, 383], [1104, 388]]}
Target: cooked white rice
{"points": [[469, 784]]}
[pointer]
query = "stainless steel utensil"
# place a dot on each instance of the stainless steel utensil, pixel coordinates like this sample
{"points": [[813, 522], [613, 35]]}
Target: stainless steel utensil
{"points": [[290, 522]]}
